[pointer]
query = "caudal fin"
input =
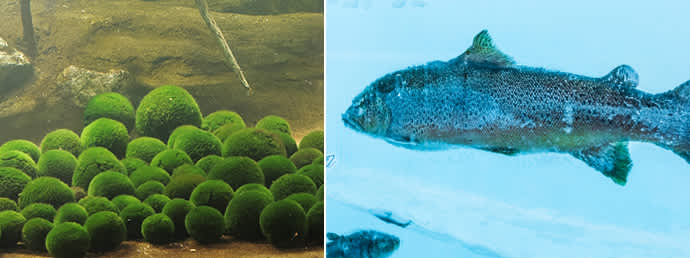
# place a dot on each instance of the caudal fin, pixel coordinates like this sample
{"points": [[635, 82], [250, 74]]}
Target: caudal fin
{"points": [[680, 141]]}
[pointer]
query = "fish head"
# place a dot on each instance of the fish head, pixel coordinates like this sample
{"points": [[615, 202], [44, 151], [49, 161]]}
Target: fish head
{"points": [[369, 112], [385, 244]]}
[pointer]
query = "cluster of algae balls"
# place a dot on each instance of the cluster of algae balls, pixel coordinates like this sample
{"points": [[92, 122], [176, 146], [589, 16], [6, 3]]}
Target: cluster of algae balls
{"points": [[185, 175]]}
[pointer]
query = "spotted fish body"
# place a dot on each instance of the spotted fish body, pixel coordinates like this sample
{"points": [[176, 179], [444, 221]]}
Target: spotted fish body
{"points": [[361, 244], [483, 100]]}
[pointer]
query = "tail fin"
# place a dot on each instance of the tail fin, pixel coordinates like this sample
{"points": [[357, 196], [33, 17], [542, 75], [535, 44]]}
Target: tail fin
{"points": [[680, 96]]}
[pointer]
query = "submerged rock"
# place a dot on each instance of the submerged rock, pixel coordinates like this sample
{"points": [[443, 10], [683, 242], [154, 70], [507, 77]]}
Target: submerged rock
{"points": [[80, 85], [15, 68], [263, 7]]}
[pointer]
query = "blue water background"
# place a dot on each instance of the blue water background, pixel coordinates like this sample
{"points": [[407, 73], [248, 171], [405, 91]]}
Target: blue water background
{"points": [[536, 205]]}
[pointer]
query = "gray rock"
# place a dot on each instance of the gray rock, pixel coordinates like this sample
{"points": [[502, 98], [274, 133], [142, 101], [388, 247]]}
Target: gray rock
{"points": [[79, 85], [15, 68]]}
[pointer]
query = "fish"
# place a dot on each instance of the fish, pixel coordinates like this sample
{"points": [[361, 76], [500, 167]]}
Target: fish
{"points": [[388, 217], [361, 244], [483, 99]]}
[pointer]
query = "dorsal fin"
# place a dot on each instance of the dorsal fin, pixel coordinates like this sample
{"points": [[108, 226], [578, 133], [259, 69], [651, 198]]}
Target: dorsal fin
{"points": [[622, 76], [612, 160], [483, 51], [332, 236]]}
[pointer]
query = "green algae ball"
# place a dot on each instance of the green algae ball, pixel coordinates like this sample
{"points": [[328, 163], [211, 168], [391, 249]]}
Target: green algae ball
{"points": [[197, 144], [11, 223], [145, 148], [274, 123], [313, 140], [62, 139], [95, 204], [133, 215], [276, 166], [110, 105], [149, 188], [254, 143], [306, 200], [164, 109], [188, 169], [220, 118], [284, 223], [319, 161], [289, 143], [158, 229], [27, 147], [106, 229], [71, 212], [19, 160], [182, 186], [39, 210], [59, 164], [315, 223], [92, 162], [157, 201], [110, 184], [47, 190], [315, 172], [148, 173], [242, 214], [7, 204], [237, 171], [79, 192], [213, 193], [208, 162], [132, 164], [106, 133], [226, 130], [290, 184], [34, 233], [205, 224], [254, 187], [177, 209], [305, 157], [68, 240], [12, 182], [180, 130], [123, 200], [319, 193], [171, 159]]}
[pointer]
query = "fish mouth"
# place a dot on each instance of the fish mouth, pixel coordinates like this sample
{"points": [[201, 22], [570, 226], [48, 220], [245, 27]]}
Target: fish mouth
{"points": [[349, 122]]}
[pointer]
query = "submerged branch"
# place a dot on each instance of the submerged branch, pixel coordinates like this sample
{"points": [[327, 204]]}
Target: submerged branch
{"points": [[27, 23]]}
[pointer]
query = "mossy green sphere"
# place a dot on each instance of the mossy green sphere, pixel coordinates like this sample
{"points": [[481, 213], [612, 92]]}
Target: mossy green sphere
{"points": [[164, 109], [110, 105], [188, 169], [39, 210], [157, 201], [34, 233], [275, 124], [79, 192], [276, 166], [319, 161], [106, 229], [315, 223], [306, 200], [132, 164], [121, 201], [226, 130], [68, 240], [177, 209], [180, 130], [254, 143], [197, 144], [290, 184], [19, 160], [57, 163], [145, 148], [284, 223], [254, 187], [148, 173], [95, 204], [305, 157], [92, 162], [213, 193], [71, 212], [149, 188], [62, 139], [27, 147], [48, 190], [11, 223], [208, 162], [242, 214], [315, 172], [220, 118], [237, 171], [182, 186], [110, 184], [313, 140], [171, 159], [319, 193], [289, 143], [158, 229], [12, 182], [133, 215], [106, 133], [205, 224], [7, 204]]}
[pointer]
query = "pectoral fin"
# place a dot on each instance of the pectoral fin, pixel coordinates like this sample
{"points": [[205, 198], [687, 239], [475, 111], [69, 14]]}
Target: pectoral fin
{"points": [[502, 150], [612, 160]]}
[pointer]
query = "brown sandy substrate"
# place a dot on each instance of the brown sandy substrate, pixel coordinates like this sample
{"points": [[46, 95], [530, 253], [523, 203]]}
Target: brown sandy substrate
{"points": [[189, 249]]}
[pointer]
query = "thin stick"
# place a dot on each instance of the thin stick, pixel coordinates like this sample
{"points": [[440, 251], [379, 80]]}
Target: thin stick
{"points": [[229, 57], [27, 23]]}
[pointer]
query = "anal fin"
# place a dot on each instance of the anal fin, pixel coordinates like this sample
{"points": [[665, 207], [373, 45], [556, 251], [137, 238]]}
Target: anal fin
{"points": [[612, 160]]}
